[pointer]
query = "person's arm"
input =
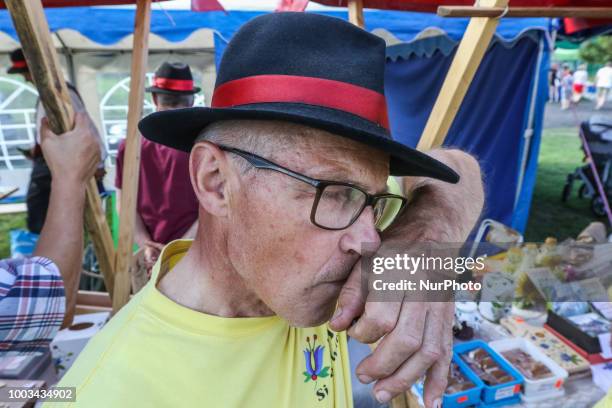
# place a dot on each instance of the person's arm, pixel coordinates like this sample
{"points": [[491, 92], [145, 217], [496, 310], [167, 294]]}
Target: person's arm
{"points": [[415, 337], [61, 239]]}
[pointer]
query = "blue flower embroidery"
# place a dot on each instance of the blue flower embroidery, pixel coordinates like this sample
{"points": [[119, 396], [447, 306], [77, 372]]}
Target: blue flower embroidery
{"points": [[313, 355]]}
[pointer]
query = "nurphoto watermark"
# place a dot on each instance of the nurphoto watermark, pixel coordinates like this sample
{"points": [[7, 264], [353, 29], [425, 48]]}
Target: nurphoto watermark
{"points": [[441, 272]]}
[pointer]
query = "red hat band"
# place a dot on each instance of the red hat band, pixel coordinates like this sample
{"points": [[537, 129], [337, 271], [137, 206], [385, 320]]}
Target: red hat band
{"points": [[360, 101], [173, 84], [19, 64]]}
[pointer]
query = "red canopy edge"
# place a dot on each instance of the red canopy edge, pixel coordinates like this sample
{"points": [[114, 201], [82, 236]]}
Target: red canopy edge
{"points": [[432, 5], [80, 3]]}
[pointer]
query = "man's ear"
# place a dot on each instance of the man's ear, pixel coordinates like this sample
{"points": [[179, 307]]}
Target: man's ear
{"points": [[154, 96], [208, 168]]}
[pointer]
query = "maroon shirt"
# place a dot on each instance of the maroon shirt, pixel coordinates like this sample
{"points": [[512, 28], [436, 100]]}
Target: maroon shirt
{"points": [[166, 201]]}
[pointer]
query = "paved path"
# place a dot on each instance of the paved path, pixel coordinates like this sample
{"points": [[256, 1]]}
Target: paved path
{"points": [[557, 118]]}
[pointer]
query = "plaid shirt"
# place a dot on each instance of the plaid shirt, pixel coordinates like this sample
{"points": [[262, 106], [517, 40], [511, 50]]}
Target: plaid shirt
{"points": [[32, 304]]}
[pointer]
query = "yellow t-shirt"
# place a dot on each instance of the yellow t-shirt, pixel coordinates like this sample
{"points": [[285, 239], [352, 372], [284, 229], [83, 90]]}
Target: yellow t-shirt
{"points": [[606, 402], [157, 353]]}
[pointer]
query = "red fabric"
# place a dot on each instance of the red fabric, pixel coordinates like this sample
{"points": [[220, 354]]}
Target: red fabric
{"points": [[166, 201], [574, 25], [291, 5], [432, 5], [578, 88], [359, 101], [206, 5], [76, 3], [19, 64], [173, 84]]}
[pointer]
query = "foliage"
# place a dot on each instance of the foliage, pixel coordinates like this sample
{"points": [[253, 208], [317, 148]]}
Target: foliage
{"points": [[597, 50]]}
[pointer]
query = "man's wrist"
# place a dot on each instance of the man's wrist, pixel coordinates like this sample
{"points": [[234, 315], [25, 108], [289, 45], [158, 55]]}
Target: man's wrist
{"points": [[68, 185]]}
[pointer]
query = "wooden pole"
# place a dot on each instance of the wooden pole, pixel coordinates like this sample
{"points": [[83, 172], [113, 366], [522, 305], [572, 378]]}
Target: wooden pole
{"points": [[355, 10], [33, 31], [467, 59], [131, 161], [492, 12]]}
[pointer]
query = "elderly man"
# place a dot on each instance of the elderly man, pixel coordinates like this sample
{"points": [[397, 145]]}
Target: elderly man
{"points": [[166, 208], [290, 169]]}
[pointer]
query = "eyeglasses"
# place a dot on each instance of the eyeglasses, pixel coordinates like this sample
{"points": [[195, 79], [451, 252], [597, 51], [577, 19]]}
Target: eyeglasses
{"points": [[337, 205]]}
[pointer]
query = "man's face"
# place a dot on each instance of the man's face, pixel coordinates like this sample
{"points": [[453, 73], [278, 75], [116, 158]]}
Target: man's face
{"points": [[294, 267], [160, 106]]}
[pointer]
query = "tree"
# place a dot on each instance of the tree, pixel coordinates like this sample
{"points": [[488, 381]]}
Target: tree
{"points": [[597, 50]]}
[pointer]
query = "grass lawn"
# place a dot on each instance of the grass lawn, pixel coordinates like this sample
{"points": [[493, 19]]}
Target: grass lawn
{"points": [[560, 154], [7, 223]]}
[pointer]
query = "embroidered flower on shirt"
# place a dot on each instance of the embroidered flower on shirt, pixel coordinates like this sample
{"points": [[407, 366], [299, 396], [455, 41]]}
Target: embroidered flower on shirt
{"points": [[313, 354]]}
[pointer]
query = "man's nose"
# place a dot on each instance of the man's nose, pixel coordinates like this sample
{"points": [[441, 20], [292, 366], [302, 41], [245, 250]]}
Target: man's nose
{"points": [[363, 231]]}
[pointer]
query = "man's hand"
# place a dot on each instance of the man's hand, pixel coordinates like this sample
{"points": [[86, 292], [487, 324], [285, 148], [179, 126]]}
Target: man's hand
{"points": [[74, 155], [72, 158], [151, 251], [415, 337]]}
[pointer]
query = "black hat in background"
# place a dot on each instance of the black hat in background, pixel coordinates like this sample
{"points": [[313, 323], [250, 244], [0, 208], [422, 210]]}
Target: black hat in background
{"points": [[18, 62], [305, 68], [173, 78]]}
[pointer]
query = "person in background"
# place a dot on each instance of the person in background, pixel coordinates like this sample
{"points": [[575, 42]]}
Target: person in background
{"points": [[167, 208], [580, 78], [39, 188], [567, 81], [553, 83], [603, 82], [38, 294]]}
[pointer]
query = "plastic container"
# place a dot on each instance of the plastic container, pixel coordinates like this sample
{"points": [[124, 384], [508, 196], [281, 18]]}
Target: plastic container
{"points": [[535, 390], [500, 394], [502, 403], [465, 398]]}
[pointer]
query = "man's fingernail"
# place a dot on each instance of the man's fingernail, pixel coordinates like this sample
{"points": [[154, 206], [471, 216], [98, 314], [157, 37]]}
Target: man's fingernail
{"points": [[337, 314], [383, 396], [437, 403], [365, 379]]}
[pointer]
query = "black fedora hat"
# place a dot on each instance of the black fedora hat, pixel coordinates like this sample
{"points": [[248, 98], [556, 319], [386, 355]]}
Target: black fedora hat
{"points": [[18, 62], [304, 68], [173, 78]]}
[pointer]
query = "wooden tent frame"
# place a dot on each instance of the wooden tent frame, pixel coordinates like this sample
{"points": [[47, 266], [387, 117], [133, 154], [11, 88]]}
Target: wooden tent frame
{"points": [[484, 20], [33, 31]]}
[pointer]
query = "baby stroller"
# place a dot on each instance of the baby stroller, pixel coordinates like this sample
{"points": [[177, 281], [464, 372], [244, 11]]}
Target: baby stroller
{"points": [[597, 132]]}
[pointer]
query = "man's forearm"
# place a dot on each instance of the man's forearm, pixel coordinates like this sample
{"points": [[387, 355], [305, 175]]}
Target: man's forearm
{"points": [[61, 239], [440, 211]]}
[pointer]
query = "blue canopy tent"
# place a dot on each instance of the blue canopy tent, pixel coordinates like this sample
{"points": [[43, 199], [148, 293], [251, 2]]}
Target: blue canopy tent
{"points": [[500, 121], [109, 25]]}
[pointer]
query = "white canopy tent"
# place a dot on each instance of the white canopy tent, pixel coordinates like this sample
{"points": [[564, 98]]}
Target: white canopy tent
{"points": [[101, 74]]}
